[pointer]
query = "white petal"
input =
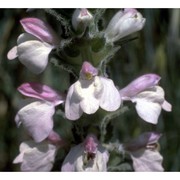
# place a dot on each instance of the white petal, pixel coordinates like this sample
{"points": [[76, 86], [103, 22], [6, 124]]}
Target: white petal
{"points": [[89, 105], [89, 91], [86, 88], [147, 161], [23, 147], [166, 106], [147, 110], [34, 55], [72, 105], [37, 157], [12, 54], [110, 98], [102, 158], [18, 159], [25, 37], [69, 163], [36, 117], [112, 29]]}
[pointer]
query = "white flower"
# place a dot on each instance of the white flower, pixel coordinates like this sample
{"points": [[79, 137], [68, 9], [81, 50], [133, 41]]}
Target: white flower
{"points": [[36, 156], [124, 23], [91, 92]]}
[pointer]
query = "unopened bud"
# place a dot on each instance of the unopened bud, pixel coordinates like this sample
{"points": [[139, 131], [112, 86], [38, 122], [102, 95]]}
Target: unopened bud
{"points": [[81, 19], [124, 23]]}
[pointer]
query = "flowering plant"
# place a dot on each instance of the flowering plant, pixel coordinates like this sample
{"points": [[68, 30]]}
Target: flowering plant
{"points": [[91, 101]]}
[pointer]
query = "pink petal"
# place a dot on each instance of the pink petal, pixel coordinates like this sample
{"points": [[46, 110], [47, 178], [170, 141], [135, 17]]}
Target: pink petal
{"points": [[40, 29], [140, 84], [55, 138], [42, 92], [90, 144], [88, 71]]}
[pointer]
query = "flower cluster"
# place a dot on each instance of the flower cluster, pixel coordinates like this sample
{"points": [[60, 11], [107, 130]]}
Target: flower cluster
{"points": [[92, 95]]}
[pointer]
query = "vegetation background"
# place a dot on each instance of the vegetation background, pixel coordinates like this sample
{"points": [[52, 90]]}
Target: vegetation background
{"points": [[156, 50]]}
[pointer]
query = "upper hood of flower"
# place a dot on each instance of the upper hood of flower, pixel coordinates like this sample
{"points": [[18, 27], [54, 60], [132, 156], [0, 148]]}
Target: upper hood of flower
{"points": [[40, 29], [41, 91]]}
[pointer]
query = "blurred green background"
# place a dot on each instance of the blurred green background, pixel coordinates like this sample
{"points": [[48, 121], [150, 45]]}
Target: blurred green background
{"points": [[157, 50]]}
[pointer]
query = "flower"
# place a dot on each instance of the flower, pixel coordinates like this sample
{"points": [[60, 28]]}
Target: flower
{"points": [[124, 23], [144, 152], [87, 156], [91, 92], [33, 47], [36, 156], [81, 19], [36, 114], [149, 97]]}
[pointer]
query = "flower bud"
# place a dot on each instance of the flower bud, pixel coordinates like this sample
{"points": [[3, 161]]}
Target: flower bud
{"points": [[124, 23], [81, 19]]}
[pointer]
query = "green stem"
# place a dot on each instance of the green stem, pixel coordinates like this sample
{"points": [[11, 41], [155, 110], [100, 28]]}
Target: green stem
{"points": [[107, 119], [86, 53]]}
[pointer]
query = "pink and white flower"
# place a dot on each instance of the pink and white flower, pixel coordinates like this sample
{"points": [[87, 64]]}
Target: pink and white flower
{"points": [[87, 156], [91, 92], [144, 152], [34, 46], [148, 96], [36, 114]]}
